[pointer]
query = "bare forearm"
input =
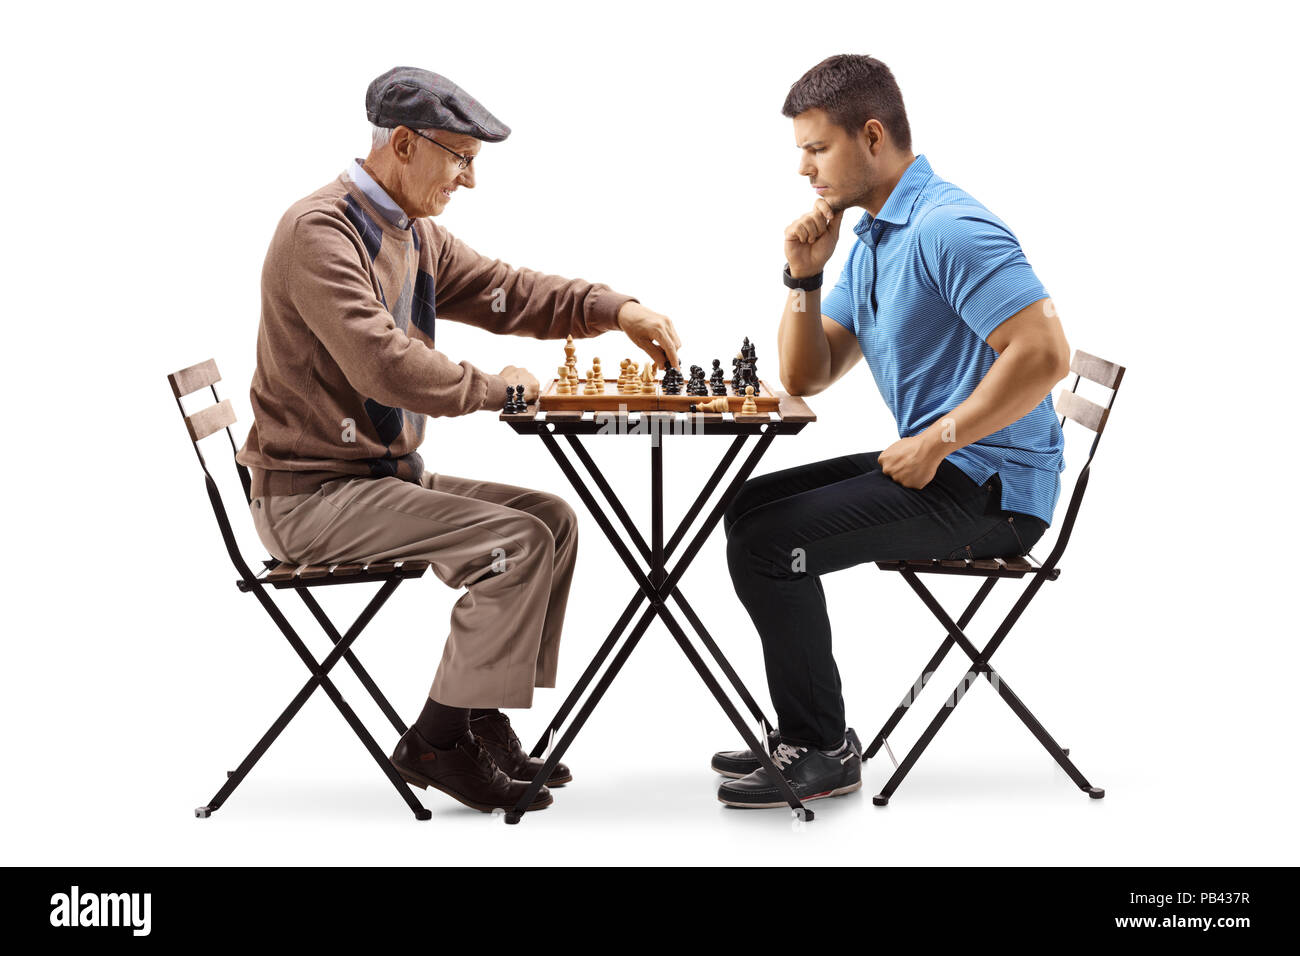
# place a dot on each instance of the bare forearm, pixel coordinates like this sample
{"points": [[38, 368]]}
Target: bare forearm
{"points": [[804, 353], [1018, 380]]}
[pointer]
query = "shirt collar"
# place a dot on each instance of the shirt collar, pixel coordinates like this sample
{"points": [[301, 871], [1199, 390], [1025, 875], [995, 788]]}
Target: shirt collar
{"points": [[898, 207], [378, 198]]}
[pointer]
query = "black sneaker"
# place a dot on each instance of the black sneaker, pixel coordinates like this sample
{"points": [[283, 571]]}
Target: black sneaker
{"points": [[741, 763], [812, 774]]}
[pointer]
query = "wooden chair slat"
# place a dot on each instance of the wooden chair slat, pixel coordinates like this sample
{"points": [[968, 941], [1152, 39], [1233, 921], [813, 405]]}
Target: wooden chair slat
{"points": [[986, 564], [195, 377], [1095, 369], [954, 563], [284, 572], [313, 571], [415, 567], [1018, 564], [381, 567], [346, 570], [1077, 408], [211, 419]]}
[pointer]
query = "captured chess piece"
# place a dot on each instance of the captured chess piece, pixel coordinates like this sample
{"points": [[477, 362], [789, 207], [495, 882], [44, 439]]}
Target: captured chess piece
{"points": [[720, 404], [515, 403], [750, 407]]}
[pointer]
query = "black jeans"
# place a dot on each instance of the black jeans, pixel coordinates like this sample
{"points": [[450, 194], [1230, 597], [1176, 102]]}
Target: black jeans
{"points": [[786, 529]]}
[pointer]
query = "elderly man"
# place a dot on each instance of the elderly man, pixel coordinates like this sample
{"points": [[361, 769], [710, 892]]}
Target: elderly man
{"points": [[347, 372], [965, 347]]}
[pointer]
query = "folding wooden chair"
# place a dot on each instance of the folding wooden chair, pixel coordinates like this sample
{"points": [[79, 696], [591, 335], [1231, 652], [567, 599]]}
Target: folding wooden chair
{"points": [[1090, 415], [301, 580]]}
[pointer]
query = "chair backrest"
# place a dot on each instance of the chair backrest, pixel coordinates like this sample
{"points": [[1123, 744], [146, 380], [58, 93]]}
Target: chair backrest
{"points": [[1091, 416], [201, 424]]}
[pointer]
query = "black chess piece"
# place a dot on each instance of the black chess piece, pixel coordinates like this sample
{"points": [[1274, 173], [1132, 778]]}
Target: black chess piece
{"points": [[515, 404], [696, 386], [716, 383], [672, 381]]}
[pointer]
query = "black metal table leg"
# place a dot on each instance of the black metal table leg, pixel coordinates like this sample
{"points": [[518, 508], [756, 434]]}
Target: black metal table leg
{"points": [[654, 586]]}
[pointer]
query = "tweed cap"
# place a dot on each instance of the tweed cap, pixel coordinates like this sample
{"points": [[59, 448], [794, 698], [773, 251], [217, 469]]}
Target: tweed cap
{"points": [[417, 99]]}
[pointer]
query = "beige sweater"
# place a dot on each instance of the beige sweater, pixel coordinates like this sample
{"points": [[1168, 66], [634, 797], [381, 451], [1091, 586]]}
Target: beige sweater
{"points": [[346, 364]]}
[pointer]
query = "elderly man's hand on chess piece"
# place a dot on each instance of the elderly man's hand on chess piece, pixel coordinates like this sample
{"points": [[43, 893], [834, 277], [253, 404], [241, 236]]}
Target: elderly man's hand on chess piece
{"points": [[912, 462], [810, 240], [651, 332], [521, 376]]}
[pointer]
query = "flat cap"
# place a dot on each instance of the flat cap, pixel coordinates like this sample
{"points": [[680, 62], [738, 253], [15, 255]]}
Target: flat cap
{"points": [[417, 99]]}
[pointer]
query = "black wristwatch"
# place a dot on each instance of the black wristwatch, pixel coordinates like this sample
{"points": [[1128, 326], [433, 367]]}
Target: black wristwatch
{"points": [[808, 284]]}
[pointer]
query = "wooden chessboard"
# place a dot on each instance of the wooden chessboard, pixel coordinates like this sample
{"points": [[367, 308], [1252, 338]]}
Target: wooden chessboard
{"points": [[612, 400]]}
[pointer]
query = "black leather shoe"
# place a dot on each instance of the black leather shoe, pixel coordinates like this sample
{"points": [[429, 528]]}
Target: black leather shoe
{"points": [[741, 763], [496, 734], [466, 772], [812, 774]]}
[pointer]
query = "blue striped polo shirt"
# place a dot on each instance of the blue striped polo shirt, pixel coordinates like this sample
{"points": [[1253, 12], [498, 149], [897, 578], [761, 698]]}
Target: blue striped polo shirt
{"points": [[928, 280]]}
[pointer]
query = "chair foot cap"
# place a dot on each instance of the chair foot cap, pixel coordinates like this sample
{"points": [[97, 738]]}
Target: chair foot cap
{"points": [[880, 800], [203, 812], [1096, 793]]}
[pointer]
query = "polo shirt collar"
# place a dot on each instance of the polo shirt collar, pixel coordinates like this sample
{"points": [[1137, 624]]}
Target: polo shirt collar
{"points": [[898, 207], [377, 196]]}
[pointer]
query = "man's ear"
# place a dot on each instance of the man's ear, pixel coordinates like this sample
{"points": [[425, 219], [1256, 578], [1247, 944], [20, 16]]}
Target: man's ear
{"points": [[402, 143], [874, 133]]}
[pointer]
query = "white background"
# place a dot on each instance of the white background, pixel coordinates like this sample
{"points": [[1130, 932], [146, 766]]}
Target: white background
{"points": [[1144, 154]]}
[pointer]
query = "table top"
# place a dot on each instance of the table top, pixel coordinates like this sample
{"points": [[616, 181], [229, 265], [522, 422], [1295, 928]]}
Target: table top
{"points": [[791, 417]]}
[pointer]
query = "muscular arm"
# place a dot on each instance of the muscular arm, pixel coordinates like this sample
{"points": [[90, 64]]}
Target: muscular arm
{"points": [[814, 351], [1033, 355]]}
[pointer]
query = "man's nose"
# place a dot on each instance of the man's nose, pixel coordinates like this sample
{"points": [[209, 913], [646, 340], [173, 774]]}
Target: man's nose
{"points": [[806, 168], [466, 178]]}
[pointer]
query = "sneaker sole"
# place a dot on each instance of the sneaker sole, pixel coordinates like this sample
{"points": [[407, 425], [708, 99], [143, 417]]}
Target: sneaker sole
{"points": [[481, 807], [840, 791], [731, 773]]}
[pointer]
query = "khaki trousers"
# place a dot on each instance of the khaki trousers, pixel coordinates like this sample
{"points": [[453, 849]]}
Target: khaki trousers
{"points": [[513, 549]]}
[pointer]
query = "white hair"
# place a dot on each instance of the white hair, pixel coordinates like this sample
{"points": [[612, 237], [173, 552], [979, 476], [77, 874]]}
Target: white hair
{"points": [[379, 136]]}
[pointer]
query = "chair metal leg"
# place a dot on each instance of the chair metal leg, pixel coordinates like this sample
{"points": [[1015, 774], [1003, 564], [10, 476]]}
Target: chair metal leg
{"points": [[366, 680], [927, 672], [320, 677], [980, 665]]}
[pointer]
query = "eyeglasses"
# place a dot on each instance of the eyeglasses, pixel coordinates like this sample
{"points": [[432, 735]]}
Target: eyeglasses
{"points": [[464, 160]]}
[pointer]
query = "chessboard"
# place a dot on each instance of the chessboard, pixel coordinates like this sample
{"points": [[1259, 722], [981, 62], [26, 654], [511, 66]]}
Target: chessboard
{"points": [[612, 400], [639, 388]]}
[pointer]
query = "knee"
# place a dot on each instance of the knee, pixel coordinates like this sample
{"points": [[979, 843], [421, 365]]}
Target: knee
{"points": [[739, 505], [529, 540], [560, 519], [757, 547]]}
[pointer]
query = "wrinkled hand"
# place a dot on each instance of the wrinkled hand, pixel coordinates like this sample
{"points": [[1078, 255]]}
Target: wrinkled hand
{"points": [[810, 240], [651, 332], [521, 376], [910, 461]]}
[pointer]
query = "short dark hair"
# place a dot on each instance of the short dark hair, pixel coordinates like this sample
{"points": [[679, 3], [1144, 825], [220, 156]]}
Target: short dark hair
{"points": [[852, 89]]}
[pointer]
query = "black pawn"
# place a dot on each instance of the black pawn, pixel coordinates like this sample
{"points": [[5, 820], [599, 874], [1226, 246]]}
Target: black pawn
{"points": [[716, 382]]}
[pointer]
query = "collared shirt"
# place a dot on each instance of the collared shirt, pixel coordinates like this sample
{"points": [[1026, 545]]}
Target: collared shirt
{"points": [[927, 282], [377, 196]]}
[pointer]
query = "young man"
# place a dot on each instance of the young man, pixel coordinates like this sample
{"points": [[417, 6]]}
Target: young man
{"points": [[346, 374], [965, 347]]}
